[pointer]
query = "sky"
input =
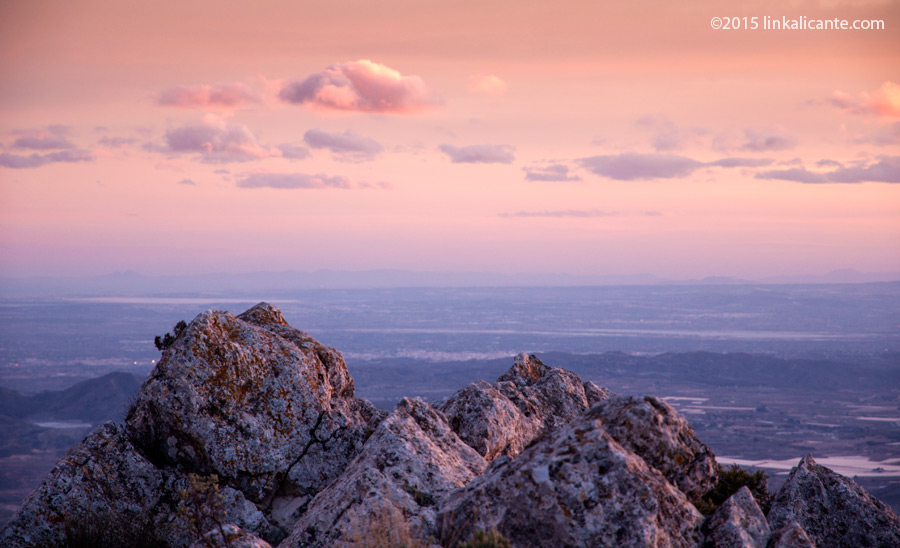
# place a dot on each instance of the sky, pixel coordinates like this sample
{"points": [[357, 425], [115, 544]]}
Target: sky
{"points": [[569, 137]]}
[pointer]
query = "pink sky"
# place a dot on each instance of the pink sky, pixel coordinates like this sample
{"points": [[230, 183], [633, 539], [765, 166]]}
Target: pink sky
{"points": [[592, 138]]}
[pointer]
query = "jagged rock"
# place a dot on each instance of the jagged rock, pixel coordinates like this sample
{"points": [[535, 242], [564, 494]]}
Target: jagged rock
{"points": [[574, 487], [231, 536], [792, 535], [833, 510], [388, 494], [263, 405], [531, 398], [737, 523], [103, 482], [105, 490], [663, 438]]}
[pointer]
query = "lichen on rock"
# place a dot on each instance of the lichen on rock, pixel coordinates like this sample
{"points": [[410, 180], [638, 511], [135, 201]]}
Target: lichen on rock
{"points": [[576, 486], [531, 398], [263, 405]]}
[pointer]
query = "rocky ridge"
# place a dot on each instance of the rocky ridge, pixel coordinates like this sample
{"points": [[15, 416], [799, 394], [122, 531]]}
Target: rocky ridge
{"points": [[265, 416]]}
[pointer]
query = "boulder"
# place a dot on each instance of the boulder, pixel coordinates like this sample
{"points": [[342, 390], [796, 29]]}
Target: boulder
{"points": [[530, 399], [100, 486], [230, 536], [105, 492], [737, 523], [574, 487], [262, 405], [833, 510], [792, 535], [663, 438], [388, 495]]}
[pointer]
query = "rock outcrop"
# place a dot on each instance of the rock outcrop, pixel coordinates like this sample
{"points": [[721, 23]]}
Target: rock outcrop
{"points": [[248, 434], [501, 418], [105, 490], [737, 523], [392, 488], [663, 438], [262, 405], [792, 535], [575, 487], [833, 510]]}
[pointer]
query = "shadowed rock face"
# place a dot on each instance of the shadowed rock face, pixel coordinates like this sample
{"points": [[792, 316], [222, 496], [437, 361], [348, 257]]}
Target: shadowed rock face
{"points": [[389, 493], [500, 419], [737, 523], [833, 510], [259, 403], [106, 486], [663, 438], [576, 486], [792, 535]]}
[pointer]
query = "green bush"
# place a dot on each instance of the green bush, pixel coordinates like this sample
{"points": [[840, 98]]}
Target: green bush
{"points": [[730, 481], [163, 342]]}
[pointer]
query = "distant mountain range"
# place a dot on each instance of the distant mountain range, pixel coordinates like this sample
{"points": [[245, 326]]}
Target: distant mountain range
{"points": [[57, 419], [268, 282]]}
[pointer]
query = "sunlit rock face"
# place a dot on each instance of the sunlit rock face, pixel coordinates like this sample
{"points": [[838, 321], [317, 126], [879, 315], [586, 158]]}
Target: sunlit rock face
{"points": [[390, 492], [501, 418], [263, 405], [737, 523], [663, 438], [576, 486], [833, 510]]}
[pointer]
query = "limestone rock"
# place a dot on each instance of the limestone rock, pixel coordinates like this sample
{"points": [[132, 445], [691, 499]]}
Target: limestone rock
{"points": [[231, 536], [575, 487], [262, 405], [663, 438], [106, 491], [833, 510], [792, 535], [737, 523], [103, 482], [531, 398], [388, 494]]}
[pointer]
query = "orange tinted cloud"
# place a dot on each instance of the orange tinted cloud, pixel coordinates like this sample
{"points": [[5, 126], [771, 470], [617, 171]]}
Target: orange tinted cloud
{"points": [[488, 85], [885, 101], [363, 86]]}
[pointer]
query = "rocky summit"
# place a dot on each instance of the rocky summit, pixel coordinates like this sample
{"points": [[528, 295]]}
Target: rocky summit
{"points": [[248, 434]]}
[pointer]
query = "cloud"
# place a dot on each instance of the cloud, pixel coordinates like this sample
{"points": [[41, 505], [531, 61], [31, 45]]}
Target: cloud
{"points": [[293, 152], [294, 181], [187, 182], [885, 170], [480, 154], [560, 213], [360, 86], [632, 166], [552, 172], [888, 136], [884, 101], [227, 96], [741, 162], [16, 161], [767, 140], [117, 142], [345, 146], [488, 85], [218, 141], [667, 135], [48, 138]]}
